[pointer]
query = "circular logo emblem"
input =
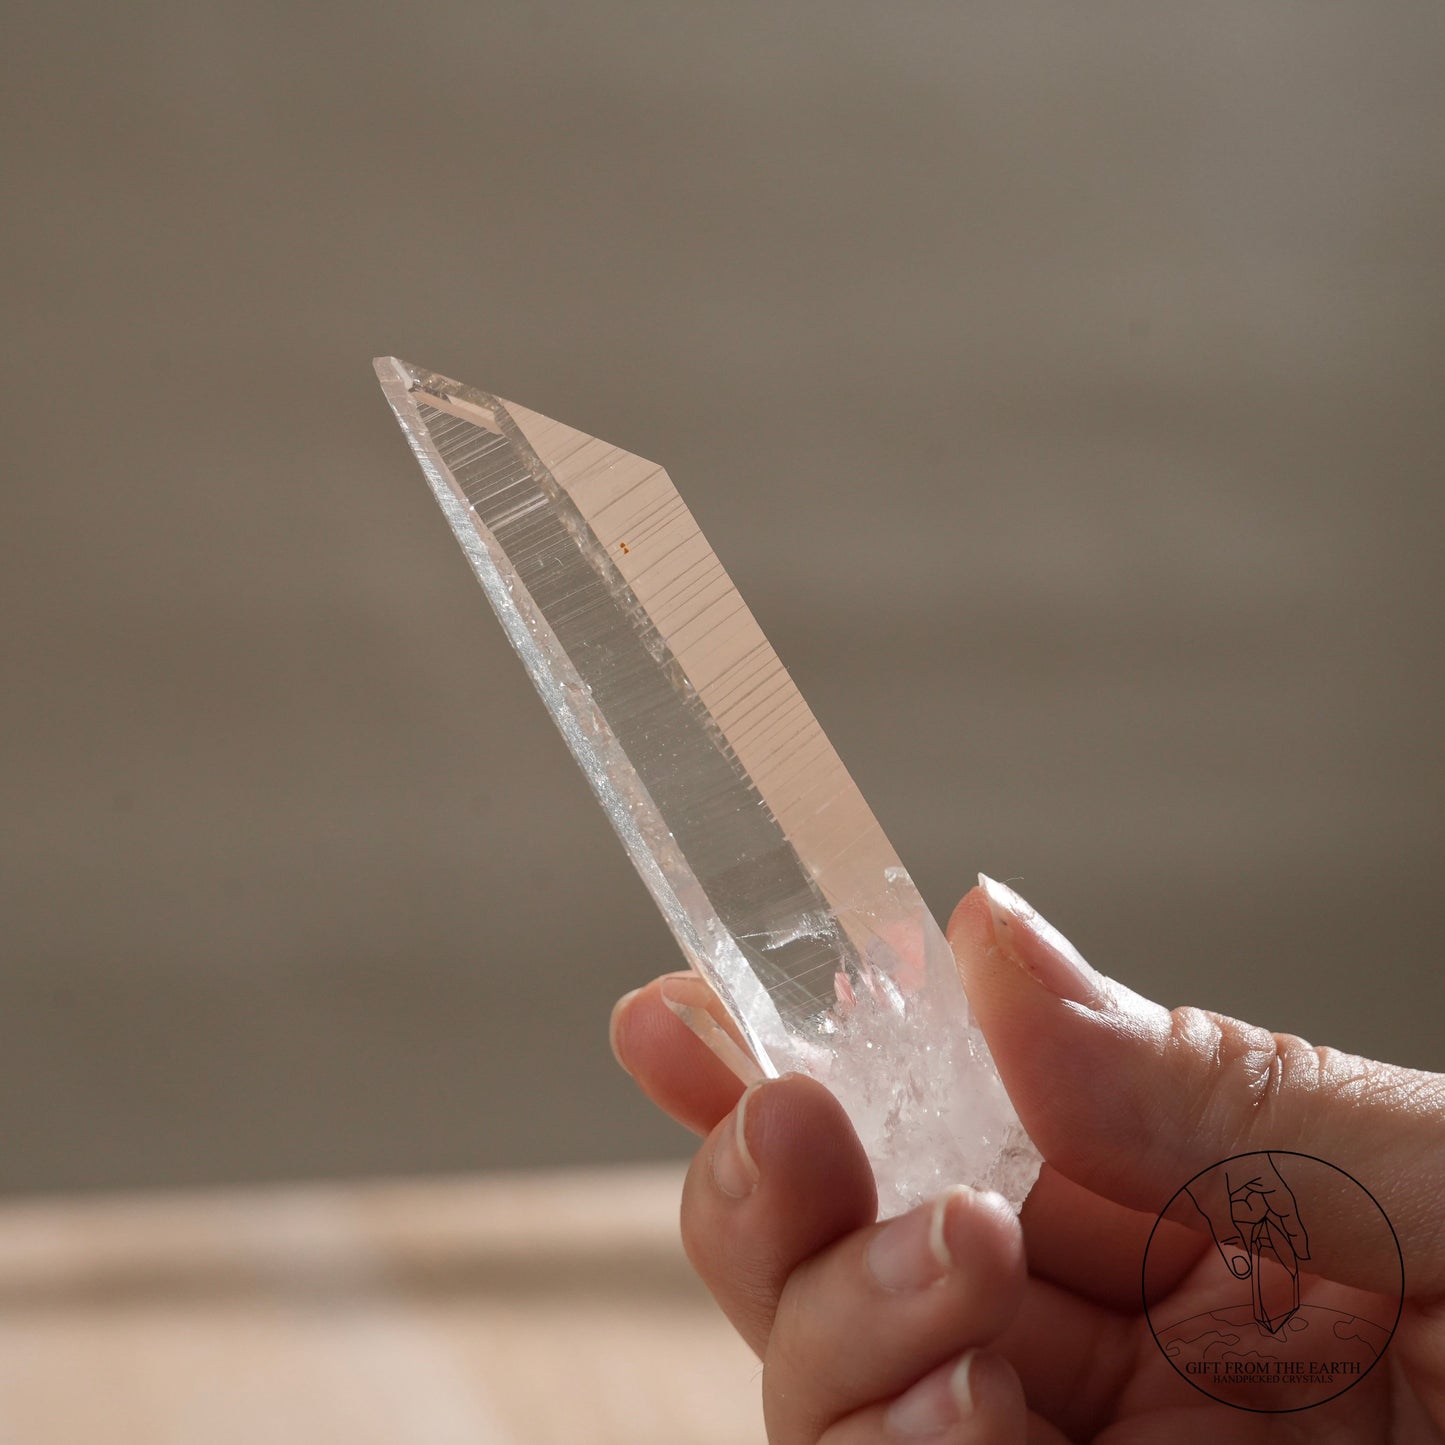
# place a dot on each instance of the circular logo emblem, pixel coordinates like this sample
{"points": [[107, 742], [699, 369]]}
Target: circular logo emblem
{"points": [[1297, 1294]]}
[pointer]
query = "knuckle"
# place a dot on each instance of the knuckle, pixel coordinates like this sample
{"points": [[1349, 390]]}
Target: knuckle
{"points": [[1235, 1069], [1319, 1073], [1220, 1051], [1252, 1086]]}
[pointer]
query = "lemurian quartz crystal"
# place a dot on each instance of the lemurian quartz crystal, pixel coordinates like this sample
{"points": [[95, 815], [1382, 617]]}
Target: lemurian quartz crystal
{"points": [[769, 867]]}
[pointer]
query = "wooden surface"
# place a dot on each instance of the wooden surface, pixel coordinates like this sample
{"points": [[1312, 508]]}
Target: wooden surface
{"points": [[498, 1311]]}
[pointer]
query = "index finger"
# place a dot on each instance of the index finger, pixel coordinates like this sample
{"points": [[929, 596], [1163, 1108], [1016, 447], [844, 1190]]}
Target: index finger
{"points": [[670, 1064]]}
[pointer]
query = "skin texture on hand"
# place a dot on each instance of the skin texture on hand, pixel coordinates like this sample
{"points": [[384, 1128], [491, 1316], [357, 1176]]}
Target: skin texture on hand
{"points": [[960, 1323]]}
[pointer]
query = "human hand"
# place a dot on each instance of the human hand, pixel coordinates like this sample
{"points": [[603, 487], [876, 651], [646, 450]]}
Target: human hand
{"points": [[1235, 1196], [777, 1218], [1126, 1100]]}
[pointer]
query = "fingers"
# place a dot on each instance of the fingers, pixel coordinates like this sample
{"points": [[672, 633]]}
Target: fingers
{"points": [[1132, 1100], [779, 1179], [973, 1400], [868, 1332], [1072, 1357], [861, 1321], [668, 1062], [850, 1316]]}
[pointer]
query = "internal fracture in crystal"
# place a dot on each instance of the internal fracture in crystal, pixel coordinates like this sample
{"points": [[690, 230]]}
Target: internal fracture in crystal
{"points": [[766, 862]]}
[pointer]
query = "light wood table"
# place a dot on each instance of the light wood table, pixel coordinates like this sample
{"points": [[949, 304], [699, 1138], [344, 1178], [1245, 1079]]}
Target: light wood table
{"points": [[500, 1310]]}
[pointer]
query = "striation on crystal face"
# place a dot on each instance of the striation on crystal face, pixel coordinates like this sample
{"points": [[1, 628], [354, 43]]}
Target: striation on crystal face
{"points": [[766, 862]]}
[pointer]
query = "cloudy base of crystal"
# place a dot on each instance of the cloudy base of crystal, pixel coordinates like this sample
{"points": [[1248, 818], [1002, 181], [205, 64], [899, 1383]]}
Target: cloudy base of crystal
{"points": [[918, 1083]]}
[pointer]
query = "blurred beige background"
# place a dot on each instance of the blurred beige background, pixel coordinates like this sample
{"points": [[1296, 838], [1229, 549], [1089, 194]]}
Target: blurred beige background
{"points": [[1060, 384]]}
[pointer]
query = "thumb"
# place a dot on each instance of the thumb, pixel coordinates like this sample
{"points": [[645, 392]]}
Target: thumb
{"points": [[1132, 1100]]}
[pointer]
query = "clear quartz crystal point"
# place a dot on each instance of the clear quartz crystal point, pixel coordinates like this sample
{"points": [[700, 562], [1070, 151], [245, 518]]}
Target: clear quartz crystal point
{"points": [[769, 867]]}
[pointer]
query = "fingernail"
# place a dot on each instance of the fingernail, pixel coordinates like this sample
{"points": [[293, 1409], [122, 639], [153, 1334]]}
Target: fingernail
{"points": [[689, 996], [734, 1170], [618, 1009], [1239, 1264], [935, 1403], [1037, 947], [912, 1250]]}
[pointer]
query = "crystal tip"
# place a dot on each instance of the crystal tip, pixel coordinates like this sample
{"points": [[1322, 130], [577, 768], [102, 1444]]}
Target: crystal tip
{"points": [[393, 369]]}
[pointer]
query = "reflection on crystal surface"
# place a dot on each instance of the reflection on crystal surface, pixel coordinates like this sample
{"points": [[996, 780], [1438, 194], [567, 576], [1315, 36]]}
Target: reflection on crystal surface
{"points": [[766, 862]]}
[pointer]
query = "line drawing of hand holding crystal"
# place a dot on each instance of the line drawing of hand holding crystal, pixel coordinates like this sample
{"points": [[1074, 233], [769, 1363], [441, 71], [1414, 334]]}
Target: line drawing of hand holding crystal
{"points": [[1254, 1218]]}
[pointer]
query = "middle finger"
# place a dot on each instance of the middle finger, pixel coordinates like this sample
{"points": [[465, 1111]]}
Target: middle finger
{"points": [[868, 1317]]}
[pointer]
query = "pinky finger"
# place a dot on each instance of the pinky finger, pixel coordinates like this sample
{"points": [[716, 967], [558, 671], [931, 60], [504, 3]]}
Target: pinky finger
{"points": [[974, 1400]]}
